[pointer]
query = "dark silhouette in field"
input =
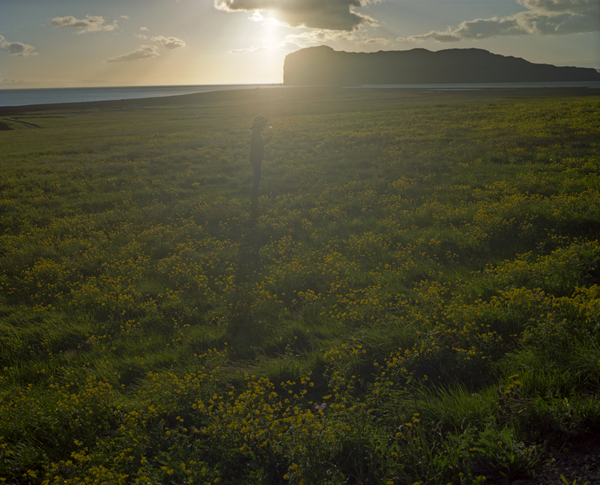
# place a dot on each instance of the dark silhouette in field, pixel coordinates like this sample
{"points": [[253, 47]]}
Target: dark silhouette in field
{"points": [[257, 152], [324, 66]]}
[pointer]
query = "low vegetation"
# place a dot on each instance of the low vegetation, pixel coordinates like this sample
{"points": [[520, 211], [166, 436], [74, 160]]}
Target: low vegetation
{"points": [[416, 298]]}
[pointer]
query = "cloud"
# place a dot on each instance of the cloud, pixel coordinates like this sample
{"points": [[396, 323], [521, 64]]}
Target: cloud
{"points": [[169, 42], [373, 41], [542, 17], [289, 46], [559, 6], [320, 37], [125, 17], [140, 35], [91, 23], [149, 51], [7, 80], [249, 49], [316, 37], [143, 52], [315, 14], [17, 48]]}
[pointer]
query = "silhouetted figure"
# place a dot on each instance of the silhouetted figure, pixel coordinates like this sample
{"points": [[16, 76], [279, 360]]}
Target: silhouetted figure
{"points": [[257, 151]]}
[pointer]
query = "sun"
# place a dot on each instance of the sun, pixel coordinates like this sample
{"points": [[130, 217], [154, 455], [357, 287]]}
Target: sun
{"points": [[269, 26]]}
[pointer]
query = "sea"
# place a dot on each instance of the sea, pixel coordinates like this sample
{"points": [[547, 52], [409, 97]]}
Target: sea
{"points": [[24, 97]]}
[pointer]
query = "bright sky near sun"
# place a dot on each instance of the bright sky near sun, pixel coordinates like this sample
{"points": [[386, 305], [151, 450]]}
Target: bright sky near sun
{"points": [[73, 43]]}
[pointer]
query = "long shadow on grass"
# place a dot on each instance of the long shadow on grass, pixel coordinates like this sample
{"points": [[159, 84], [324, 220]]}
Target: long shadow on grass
{"points": [[246, 331]]}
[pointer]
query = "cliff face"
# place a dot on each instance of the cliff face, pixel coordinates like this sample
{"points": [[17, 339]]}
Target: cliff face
{"points": [[322, 65]]}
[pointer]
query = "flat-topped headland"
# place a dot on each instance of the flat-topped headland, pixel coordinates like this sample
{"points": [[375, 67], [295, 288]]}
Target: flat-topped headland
{"points": [[325, 66]]}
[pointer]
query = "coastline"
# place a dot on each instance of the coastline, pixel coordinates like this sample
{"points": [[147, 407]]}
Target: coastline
{"points": [[240, 94], [37, 96], [131, 103]]}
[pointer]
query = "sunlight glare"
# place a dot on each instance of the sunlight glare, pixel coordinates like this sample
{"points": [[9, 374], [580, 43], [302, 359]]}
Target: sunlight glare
{"points": [[270, 26]]}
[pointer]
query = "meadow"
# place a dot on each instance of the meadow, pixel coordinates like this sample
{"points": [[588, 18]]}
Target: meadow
{"points": [[416, 299]]}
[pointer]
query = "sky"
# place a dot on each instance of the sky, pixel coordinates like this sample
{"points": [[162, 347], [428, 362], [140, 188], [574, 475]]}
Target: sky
{"points": [[90, 43]]}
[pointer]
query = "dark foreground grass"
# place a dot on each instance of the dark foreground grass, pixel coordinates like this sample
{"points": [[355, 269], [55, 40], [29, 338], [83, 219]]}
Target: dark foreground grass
{"points": [[415, 299]]}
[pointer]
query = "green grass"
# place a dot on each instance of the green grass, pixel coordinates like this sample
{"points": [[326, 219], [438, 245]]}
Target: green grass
{"points": [[425, 265]]}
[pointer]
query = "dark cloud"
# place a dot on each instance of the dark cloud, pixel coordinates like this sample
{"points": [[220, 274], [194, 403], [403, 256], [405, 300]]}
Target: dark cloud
{"points": [[91, 23], [17, 48], [143, 52], [169, 42], [542, 17], [315, 14]]}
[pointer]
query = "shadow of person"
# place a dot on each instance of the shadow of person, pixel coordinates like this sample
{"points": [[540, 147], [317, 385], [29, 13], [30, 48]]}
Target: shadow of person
{"points": [[253, 211], [257, 152]]}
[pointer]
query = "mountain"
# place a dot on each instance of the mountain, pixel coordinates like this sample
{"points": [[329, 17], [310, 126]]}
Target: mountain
{"points": [[324, 66]]}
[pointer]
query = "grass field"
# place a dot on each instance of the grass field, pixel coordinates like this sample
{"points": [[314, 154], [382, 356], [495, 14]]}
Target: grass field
{"points": [[416, 299]]}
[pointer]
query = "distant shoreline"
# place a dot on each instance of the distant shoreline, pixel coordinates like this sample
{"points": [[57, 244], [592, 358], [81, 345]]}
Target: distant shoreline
{"points": [[232, 95], [39, 96], [205, 96], [53, 96]]}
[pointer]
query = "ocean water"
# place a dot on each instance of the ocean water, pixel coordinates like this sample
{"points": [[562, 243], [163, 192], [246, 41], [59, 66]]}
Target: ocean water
{"points": [[24, 97]]}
